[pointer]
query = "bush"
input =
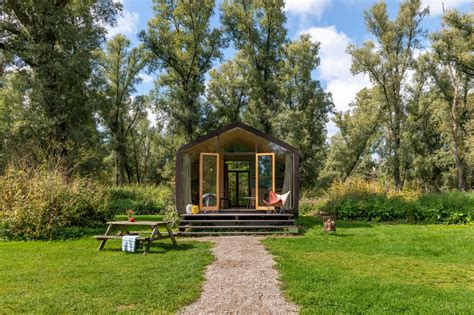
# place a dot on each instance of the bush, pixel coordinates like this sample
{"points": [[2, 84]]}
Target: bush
{"points": [[142, 199], [40, 204], [357, 199]]}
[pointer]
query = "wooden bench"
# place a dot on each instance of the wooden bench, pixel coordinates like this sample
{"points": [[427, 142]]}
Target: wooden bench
{"points": [[123, 230], [116, 237]]}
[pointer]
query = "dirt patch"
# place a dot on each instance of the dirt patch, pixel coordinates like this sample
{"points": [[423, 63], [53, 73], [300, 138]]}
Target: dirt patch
{"points": [[241, 280]]}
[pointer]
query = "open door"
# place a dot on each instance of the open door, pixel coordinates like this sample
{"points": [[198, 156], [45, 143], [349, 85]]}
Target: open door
{"points": [[209, 186], [265, 179]]}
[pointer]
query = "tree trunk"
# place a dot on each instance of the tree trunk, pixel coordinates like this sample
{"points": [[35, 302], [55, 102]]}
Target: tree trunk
{"points": [[457, 158], [396, 150]]}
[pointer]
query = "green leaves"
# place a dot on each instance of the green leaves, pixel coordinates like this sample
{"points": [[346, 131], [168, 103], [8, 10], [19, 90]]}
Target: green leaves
{"points": [[183, 46], [56, 61], [257, 29], [386, 61]]}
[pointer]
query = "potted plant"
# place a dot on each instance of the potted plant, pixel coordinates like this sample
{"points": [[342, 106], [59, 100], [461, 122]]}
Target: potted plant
{"points": [[130, 214]]}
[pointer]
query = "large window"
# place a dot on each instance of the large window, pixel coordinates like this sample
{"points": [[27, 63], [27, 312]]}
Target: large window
{"points": [[265, 173], [209, 181]]}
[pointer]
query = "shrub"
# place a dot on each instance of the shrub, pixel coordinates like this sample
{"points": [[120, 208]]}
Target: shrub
{"points": [[357, 199], [142, 199], [40, 204]]}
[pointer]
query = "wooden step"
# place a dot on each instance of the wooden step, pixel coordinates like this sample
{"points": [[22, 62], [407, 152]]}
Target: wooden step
{"points": [[238, 220], [236, 226], [276, 215], [235, 233]]}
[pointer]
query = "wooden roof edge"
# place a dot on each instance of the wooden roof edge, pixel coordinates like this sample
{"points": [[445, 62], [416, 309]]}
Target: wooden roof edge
{"points": [[234, 125]]}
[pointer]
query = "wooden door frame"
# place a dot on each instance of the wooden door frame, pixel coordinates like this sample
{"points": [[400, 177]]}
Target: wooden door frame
{"points": [[257, 206], [237, 185], [201, 206]]}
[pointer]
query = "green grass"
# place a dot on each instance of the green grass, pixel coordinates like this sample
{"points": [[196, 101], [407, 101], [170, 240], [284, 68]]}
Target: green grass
{"points": [[71, 276], [378, 268]]}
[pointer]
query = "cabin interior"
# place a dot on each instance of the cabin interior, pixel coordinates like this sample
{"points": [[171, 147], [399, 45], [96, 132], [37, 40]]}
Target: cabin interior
{"points": [[235, 168]]}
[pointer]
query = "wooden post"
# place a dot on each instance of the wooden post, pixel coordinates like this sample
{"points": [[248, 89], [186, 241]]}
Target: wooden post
{"points": [[170, 233], [102, 242]]}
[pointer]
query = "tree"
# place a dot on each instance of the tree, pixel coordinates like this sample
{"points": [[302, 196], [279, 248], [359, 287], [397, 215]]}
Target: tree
{"points": [[387, 61], [452, 72], [360, 132], [57, 58], [227, 91], [257, 30], [302, 120], [183, 46], [119, 67]]}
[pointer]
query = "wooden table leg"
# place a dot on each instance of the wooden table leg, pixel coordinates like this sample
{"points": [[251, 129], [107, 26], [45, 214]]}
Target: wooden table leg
{"points": [[170, 233], [152, 236], [102, 243]]}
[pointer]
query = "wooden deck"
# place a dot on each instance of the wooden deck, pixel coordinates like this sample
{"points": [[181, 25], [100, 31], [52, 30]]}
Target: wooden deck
{"points": [[236, 222]]}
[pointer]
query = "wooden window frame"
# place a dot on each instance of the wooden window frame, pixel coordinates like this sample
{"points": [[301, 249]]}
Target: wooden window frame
{"points": [[201, 164]]}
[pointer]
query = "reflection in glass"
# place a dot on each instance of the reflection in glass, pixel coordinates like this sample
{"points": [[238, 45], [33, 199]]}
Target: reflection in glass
{"points": [[232, 187], [243, 188], [209, 180], [265, 177]]}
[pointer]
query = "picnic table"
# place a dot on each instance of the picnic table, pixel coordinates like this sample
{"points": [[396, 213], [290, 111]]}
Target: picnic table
{"points": [[123, 226]]}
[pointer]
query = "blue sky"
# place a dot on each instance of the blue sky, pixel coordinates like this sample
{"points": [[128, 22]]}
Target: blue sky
{"points": [[335, 24]]}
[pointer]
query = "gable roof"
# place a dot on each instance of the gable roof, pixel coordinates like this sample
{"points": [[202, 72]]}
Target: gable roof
{"points": [[235, 125]]}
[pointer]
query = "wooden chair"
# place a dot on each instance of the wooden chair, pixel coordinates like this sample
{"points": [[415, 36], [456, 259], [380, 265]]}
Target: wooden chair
{"points": [[276, 201]]}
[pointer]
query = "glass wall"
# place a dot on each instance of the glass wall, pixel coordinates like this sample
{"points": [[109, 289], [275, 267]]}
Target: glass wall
{"points": [[250, 167]]}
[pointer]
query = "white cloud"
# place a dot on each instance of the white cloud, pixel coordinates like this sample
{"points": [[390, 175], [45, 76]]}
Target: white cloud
{"points": [[126, 24], [146, 78], [335, 66], [306, 7], [436, 6]]}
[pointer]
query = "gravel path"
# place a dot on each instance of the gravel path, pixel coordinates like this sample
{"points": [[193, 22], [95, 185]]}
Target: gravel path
{"points": [[241, 280]]}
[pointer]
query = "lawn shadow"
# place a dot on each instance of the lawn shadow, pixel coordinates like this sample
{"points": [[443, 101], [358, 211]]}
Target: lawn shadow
{"points": [[156, 248], [307, 223]]}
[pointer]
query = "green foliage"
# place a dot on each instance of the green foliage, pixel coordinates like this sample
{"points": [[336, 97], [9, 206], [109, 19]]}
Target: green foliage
{"points": [[141, 199], [359, 132], [452, 70], [228, 91], [119, 70], [357, 199], [386, 61], [56, 60], [63, 277], [41, 204], [183, 45], [257, 30], [377, 268], [304, 114]]}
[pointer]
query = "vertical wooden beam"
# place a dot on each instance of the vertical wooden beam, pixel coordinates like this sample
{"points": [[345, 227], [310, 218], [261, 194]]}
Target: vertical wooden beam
{"points": [[179, 184], [296, 183]]}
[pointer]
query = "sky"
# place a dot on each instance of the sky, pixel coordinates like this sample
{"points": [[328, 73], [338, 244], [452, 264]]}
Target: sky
{"points": [[333, 23]]}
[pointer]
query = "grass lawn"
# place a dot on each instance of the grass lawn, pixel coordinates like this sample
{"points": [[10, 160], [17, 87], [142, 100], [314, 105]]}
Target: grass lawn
{"points": [[375, 268], [71, 276]]}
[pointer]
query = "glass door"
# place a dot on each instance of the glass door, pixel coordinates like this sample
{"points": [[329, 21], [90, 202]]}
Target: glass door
{"points": [[238, 188], [265, 178], [209, 181]]}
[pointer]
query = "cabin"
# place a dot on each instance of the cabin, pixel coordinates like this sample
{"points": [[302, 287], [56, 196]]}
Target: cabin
{"points": [[229, 174]]}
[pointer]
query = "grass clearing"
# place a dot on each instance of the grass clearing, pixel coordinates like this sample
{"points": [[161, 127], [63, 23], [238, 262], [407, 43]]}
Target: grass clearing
{"points": [[378, 268], [71, 276]]}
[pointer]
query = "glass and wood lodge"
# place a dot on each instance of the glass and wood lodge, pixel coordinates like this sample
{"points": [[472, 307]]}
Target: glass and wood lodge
{"points": [[229, 174]]}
